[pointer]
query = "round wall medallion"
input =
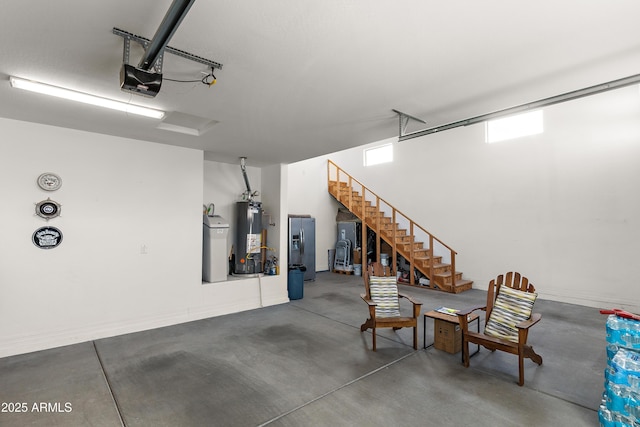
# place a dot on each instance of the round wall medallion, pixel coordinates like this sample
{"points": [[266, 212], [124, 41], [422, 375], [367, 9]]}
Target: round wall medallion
{"points": [[48, 209], [49, 181], [47, 237]]}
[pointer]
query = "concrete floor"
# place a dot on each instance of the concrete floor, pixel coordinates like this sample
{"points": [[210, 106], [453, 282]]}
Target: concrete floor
{"points": [[306, 363]]}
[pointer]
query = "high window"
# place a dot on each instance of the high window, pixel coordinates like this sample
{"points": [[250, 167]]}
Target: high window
{"points": [[513, 127], [379, 154]]}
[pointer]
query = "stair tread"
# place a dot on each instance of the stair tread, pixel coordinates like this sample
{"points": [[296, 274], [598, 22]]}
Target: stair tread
{"points": [[399, 233], [446, 274], [462, 285], [440, 265]]}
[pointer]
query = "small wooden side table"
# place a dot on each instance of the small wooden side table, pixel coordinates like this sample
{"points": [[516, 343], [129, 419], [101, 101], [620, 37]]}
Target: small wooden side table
{"points": [[448, 318]]}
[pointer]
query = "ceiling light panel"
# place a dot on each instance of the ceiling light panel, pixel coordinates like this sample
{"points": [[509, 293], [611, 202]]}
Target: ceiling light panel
{"points": [[85, 98]]}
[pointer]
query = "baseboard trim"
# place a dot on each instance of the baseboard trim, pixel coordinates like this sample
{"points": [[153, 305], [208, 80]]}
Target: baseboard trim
{"points": [[11, 346]]}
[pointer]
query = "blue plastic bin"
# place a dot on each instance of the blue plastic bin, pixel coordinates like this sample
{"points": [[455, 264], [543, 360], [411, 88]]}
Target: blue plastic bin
{"points": [[295, 283]]}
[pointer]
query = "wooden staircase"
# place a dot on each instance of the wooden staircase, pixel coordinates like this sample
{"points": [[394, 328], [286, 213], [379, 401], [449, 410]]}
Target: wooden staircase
{"points": [[406, 238]]}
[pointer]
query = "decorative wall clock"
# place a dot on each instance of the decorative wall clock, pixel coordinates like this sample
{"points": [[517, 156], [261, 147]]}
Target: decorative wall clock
{"points": [[49, 181]]}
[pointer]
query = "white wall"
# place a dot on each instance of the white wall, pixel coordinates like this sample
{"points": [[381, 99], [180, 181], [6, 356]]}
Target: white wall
{"points": [[309, 194], [562, 208], [274, 196], [120, 198]]}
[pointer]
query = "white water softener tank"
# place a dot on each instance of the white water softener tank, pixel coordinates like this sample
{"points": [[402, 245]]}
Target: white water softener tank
{"points": [[215, 263]]}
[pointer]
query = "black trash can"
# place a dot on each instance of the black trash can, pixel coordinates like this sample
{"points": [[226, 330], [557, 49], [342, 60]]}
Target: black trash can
{"points": [[295, 281]]}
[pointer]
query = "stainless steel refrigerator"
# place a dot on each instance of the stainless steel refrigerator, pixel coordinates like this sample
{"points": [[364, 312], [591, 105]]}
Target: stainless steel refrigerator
{"points": [[302, 244]]}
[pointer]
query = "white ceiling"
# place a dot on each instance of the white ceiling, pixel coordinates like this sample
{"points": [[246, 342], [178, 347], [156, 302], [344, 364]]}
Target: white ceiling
{"points": [[306, 78]]}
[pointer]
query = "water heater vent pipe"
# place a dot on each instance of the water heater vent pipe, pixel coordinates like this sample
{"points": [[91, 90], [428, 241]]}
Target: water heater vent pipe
{"points": [[246, 178]]}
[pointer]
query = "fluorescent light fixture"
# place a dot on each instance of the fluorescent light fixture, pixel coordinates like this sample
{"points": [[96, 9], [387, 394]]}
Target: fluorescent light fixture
{"points": [[85, 98], [531, 123]]}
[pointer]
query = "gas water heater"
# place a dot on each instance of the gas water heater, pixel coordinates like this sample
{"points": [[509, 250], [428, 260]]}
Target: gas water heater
{"points": [[248, 243]]}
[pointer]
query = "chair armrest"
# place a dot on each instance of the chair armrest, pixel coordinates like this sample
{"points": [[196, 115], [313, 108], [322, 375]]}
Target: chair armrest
{"points": [[463, 317], [417, 306], [468, 311], [414, 302], [526, 324], [372, 306], [368, 300]]}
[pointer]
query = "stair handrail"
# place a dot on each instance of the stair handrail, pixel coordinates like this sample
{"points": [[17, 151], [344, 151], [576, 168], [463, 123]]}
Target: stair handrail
{"points": [[412, 224]]}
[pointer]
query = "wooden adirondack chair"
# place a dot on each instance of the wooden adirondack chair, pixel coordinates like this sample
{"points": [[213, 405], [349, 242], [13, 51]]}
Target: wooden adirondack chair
{"points": [[382, 296], [508, 329]]}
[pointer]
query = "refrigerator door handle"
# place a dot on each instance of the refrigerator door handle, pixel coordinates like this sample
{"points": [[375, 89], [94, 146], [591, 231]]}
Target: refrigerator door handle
{"points": [[301, 243]]}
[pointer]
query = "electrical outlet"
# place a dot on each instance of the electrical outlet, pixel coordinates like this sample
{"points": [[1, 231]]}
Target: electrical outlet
{"points": [[144, 250]]}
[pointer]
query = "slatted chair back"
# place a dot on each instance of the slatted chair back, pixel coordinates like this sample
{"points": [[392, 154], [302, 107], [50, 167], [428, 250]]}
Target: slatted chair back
{"points": [[375, 269], [512, 279]]}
